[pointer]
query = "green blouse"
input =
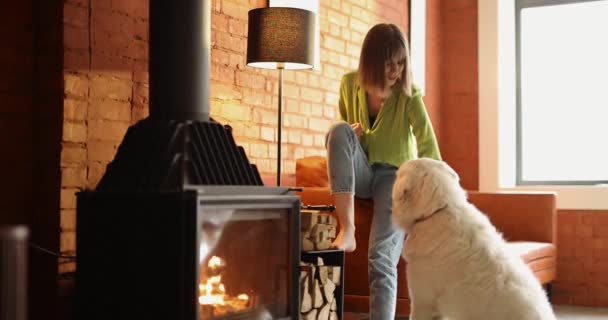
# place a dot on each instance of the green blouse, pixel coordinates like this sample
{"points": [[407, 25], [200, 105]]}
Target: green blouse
{"points": [[401, 121]]}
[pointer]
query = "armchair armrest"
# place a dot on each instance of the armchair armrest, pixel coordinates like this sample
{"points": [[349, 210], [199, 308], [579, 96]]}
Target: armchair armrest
{"points": [[316, 196], [520, 216]]}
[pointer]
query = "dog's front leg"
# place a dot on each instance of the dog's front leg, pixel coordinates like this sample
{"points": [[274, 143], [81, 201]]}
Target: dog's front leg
{"points": [[422, 296], [423, 310]]}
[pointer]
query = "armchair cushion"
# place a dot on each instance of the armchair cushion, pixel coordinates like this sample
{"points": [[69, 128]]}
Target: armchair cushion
{"points": [[311, 172]]}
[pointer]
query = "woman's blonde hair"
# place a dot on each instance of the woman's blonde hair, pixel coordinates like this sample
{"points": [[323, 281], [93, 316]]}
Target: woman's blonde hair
{"points": [[382, 42]]}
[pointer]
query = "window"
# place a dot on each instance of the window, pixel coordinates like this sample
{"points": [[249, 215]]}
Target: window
{"points": [[418, 42], [562, 76], [498, 118]]}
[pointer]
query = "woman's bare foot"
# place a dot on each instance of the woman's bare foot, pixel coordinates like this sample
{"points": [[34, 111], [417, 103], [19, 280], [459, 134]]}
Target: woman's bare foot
{"points": [[345, 210], [345, 241]]}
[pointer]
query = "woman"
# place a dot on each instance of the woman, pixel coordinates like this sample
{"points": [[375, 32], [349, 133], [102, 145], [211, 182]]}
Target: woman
{"points": [[381, 113]]}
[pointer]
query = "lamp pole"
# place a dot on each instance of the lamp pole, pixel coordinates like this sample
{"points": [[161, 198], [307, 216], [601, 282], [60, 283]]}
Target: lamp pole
{"points": [[280, 66], [280, 38]]}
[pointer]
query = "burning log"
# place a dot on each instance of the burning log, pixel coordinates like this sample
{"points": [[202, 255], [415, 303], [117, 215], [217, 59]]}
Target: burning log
{"points": [[213, 298]]}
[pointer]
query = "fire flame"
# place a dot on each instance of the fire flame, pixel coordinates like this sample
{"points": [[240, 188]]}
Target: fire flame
{"points": [[213, 291]]}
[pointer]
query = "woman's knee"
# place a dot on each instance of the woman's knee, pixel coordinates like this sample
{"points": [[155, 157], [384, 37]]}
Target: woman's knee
{"points": [[338, 132]]}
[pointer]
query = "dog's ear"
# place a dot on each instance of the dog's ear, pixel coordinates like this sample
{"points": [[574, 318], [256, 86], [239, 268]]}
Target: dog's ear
{"points": [[451, 191], [401, 187], [422, 184], [405, 192], [401, 192], [429, 190]]}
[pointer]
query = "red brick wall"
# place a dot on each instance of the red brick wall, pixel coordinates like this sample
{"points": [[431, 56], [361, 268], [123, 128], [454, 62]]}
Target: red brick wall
{"points": [[582, 261], [105, 53], [246, 98]]}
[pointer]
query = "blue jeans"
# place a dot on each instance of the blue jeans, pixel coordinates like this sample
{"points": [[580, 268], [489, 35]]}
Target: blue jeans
{"points": [[349, 171]]}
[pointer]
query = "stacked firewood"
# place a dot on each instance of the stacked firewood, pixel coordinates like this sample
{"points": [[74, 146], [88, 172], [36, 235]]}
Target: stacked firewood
{"points": [[317, 285], [318, 230]]}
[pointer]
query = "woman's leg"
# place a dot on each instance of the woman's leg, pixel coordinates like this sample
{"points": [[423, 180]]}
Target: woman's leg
{"points": [[346, 163], [345, 210], [385, 244]]}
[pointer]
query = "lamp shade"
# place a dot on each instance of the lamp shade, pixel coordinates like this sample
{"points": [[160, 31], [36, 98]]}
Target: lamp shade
{"points": [[281, 38]]}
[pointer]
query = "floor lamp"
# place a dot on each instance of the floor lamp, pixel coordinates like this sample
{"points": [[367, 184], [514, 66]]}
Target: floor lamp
{"points": [[280, 38]]}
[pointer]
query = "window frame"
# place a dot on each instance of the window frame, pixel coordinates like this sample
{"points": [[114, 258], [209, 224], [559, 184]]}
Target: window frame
{"points": [[519, 179]]}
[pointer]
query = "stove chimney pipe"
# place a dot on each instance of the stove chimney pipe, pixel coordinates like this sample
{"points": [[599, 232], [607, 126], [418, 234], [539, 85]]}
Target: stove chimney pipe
{"points": [[180, 41], [178, 145]]}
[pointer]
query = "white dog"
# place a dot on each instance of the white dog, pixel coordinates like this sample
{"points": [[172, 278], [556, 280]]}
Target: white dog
{"points": [[458, 265]]}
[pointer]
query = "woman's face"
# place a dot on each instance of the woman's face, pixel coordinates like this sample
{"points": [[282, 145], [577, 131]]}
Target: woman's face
{"points": [[393, 68]]}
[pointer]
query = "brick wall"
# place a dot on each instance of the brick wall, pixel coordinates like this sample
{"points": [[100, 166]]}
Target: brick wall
{"points": [[105, 53], [246, 98], [582, 259], [106, 86]]}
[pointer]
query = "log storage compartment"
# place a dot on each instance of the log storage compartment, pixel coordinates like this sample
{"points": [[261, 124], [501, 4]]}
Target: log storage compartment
{"points": [[321, 285]]}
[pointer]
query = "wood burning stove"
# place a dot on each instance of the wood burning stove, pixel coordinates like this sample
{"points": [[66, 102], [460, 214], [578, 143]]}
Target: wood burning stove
{"points": [[181, 226], [209, 252]]}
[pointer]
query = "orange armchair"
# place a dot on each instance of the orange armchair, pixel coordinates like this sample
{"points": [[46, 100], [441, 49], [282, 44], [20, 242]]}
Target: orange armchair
{"points": [[526, 219]]}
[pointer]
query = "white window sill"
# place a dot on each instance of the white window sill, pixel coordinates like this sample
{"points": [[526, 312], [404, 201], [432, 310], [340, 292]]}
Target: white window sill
{"points": [[574, 197]]}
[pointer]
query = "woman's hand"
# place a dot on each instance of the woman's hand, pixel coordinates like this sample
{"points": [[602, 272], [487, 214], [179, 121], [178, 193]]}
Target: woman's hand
{"points": [[357, 128]]}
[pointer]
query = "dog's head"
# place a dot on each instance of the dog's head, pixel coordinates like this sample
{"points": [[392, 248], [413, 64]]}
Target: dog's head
{"points": [[422, 188]]}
